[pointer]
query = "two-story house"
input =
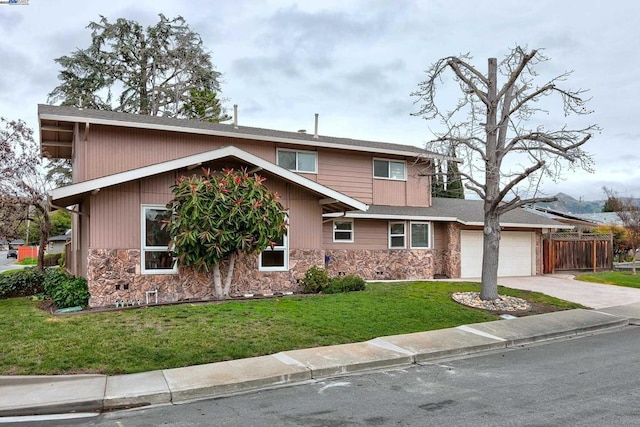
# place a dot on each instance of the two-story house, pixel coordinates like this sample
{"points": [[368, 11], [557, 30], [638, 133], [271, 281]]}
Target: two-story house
{"points": [[358, 207]]}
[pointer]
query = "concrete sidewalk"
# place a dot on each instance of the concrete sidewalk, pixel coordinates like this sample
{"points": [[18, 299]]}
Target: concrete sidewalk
{"points": [[21, 396]]}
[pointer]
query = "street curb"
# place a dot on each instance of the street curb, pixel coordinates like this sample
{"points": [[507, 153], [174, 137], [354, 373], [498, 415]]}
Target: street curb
{"points": [[20, 396]]}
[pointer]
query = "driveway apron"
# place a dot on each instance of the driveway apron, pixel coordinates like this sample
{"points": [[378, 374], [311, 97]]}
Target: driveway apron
{"points": [[563, 286]]}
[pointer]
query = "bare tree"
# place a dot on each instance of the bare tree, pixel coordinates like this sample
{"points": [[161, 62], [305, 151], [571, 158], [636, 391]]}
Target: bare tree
{"points": [[23, 188], [629, 214], [498, 130]]}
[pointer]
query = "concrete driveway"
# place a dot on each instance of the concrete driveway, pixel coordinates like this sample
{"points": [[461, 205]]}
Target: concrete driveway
{"points": [[563, 286]]}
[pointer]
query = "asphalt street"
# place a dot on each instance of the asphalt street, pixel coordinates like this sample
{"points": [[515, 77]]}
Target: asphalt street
{"points": [[590, 380]]}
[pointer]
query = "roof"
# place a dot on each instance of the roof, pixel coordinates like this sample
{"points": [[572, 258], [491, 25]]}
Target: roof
{"points": [[60, 238], [563, 217], [57, 127], [331, 199], [466, 212]]}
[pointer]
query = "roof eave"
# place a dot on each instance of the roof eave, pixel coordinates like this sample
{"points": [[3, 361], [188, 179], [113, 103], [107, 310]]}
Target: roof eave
{"points": [[239, 134], [71, 193]]}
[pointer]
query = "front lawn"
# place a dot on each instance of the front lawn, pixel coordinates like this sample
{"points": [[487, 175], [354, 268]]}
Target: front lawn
{"points": [[619, 278], [149, 338]]}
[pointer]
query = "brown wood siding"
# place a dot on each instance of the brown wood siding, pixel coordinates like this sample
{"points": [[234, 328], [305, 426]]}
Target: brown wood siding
{"points": [[115, 217], [367, 233], [305, 214], [418, 185], [112, 149], [157, 189], [389, 192], [439, 235], [347, 172]]}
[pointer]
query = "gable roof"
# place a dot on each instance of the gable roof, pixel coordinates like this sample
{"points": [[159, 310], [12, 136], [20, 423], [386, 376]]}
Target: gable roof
{"points": [[466, 212], [332, 200], [57, 127]]}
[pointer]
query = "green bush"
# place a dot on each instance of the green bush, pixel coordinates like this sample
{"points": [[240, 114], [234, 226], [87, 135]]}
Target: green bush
{"points": [[315, 280], [28, 261], [21, 283], [347, 283], [51, 260], [66, 290]]}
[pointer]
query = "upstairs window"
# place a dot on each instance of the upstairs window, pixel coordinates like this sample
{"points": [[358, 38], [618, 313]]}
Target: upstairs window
{"points": [[343, 231], [298, 161], [156, 257], [389, 169]]}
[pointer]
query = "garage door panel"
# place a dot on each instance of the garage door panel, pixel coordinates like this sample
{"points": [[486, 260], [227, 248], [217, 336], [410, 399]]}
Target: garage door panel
{"points": [[516, 253]]}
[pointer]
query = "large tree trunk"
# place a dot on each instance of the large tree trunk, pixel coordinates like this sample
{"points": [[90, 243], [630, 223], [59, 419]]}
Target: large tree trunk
{"points": [[490, 253], [45, 230], [491, 240], [217, 281], [227, 282]]}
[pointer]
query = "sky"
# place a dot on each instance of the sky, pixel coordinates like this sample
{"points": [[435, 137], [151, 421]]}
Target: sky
{"points": [[356, 63]]}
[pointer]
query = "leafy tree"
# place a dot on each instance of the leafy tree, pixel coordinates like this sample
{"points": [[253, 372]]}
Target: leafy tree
{"points": [[437, 181], [608, 205], [620, 239], [454, 180], [159, 70], [447, 184], [215, 217], [29, 230], [58, 172], [23, 189], [498, 129], [204, 105], [629, 214]]}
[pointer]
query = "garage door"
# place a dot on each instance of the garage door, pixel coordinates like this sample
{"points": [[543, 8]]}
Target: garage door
{"points": [[517, 254]]}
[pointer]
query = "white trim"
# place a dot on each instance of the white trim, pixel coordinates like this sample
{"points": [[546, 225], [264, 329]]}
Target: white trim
{"points": [[389, 161], [183, 162], [352, 231], [404, 235], [284, 247], [365, 215], [144, 248], [242, 135], [429, 235], [315, 154]]}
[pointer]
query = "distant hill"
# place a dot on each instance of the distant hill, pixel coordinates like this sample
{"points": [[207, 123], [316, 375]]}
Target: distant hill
{"points": [[566, 203]]}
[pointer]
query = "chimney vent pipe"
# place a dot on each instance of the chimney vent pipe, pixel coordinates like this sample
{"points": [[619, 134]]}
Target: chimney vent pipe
{"points": [[235, 116], [315, 134]]}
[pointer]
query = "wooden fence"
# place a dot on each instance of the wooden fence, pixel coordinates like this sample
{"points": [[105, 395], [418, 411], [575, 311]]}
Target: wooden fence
{"points": [[577, 251]]}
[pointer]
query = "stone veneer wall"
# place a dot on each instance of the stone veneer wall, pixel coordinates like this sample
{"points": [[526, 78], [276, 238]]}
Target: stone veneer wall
{"points": [[385, 264], [114, 275], [453, 267]]}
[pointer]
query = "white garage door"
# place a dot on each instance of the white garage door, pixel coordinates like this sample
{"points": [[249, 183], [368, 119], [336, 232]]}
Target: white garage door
{"points": [[517, 254]]}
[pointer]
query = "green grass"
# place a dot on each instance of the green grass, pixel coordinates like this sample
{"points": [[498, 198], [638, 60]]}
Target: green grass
{"points": [[28, 261], [149, 338], [619, 278]]}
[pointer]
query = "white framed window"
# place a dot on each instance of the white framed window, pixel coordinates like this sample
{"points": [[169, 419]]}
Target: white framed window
{"points": [[155, 256], [420, 235], [276, 258], [390, 169], [397, 235], [343, 230], [298, 161]]}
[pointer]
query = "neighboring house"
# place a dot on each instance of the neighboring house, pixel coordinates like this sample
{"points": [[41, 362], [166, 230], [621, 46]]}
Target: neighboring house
{"points": [[57, 243], [16, 243], [574, 222], [354, 206]]}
